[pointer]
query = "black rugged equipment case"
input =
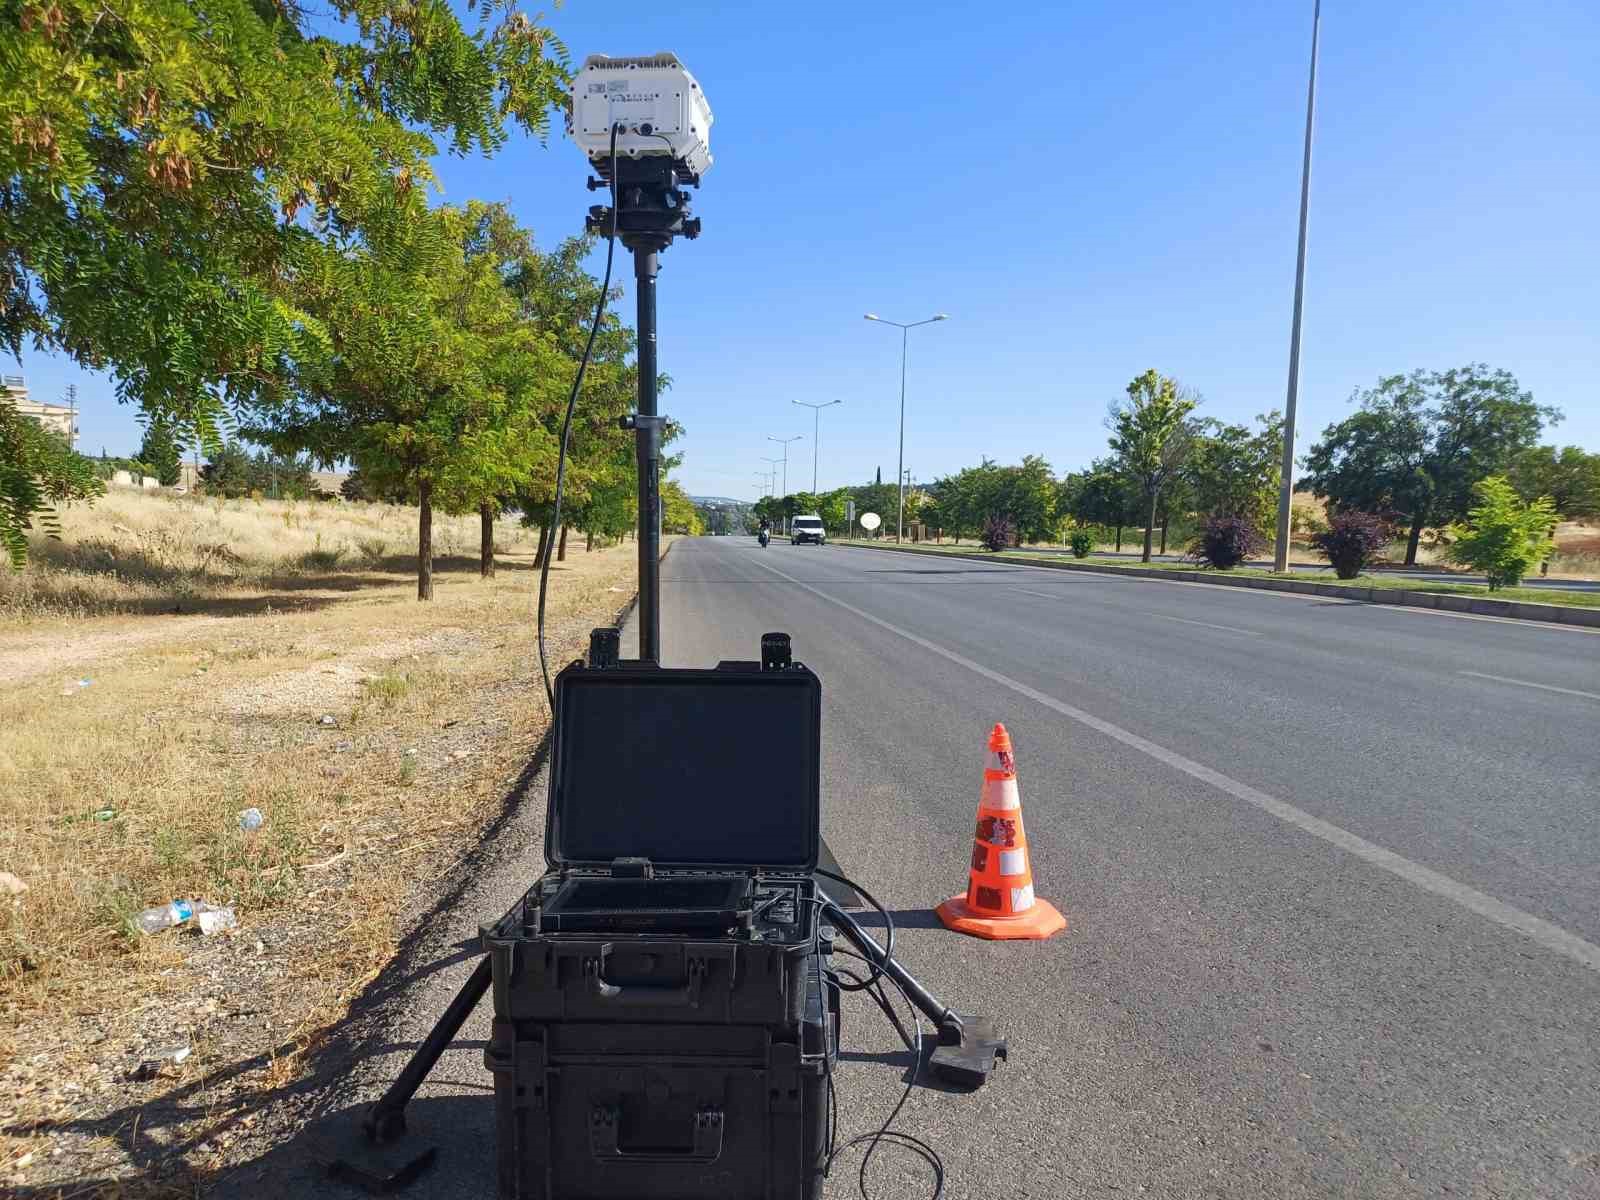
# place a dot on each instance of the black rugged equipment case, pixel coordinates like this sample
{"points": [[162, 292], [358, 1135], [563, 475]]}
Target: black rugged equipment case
{"points": [[663, 1028]]}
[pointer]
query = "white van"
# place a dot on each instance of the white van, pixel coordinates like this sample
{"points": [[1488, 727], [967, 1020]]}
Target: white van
{"points": [[807, 528]]}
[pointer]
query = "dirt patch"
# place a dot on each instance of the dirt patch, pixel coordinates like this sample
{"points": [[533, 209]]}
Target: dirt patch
{"points": [[129, 1065]]}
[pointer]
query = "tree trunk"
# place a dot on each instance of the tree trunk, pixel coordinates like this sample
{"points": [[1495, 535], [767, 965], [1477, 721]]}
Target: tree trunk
{"points": [[486, 541], [425, 540], [1417, 522], [588, 543], [561, 550], [1119, 537], [1149, 528], [1163, 537], [544, 546]]}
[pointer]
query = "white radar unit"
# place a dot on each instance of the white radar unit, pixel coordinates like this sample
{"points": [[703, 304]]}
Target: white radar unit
{"points": [[657, 103]]}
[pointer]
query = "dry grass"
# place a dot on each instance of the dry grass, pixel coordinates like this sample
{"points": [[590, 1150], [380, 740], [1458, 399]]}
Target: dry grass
{"points": [[124, 791], [134, 551]]}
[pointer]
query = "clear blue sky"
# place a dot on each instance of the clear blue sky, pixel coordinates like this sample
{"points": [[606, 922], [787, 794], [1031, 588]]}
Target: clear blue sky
{"points": [[1089, 189]]}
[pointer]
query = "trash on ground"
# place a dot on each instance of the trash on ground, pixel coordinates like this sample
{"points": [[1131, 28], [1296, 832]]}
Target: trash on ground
{"points": [[11, 885], [215, 920], [179, 912], [327, 719], [158, 1060], [250, 820]]}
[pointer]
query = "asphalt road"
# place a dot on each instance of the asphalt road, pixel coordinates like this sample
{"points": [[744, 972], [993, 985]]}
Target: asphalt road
{"points": [[1332, 873]]}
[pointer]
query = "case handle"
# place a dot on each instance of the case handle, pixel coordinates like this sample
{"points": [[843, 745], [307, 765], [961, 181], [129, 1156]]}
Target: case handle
{"points": [[686, 995], [604, 1145]]}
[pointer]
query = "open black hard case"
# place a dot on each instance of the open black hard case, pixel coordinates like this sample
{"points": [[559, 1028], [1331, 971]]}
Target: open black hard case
{"points": [[662, 1022]]}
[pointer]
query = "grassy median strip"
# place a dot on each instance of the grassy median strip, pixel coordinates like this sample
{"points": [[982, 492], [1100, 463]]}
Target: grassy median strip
{"points": [[375, 735], [1377, 580]]}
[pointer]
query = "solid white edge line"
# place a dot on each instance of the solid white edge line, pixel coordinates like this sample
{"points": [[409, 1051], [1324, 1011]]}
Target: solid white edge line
{"points": [[1545, 933], [1543, 687]]}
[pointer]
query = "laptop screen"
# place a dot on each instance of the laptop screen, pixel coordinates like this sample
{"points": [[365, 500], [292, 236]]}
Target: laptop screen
{"points": [[684, 768]]}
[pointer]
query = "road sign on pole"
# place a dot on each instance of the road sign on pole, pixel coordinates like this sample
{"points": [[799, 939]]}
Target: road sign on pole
{"points": [[870, 521], [849, 517]]}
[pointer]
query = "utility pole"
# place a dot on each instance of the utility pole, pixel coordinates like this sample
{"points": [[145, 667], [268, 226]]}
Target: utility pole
{"points": [[905, 332], [784, 442], [1280, 551], [816, 433]]}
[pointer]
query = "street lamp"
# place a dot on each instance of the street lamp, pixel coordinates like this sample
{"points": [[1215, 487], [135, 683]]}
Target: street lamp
{"points": [[784, 460], [772, 488], [1280, 552], [905, 332], [816, 433]]}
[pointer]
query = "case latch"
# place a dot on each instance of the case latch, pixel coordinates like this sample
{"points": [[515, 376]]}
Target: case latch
{"points": [[632, 868], [605, 647], [775, 655]]}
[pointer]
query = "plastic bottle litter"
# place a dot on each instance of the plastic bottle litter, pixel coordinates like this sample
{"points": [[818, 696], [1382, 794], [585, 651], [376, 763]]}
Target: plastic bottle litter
{"points": [[250, 820], [215, 920], [165, 916]]}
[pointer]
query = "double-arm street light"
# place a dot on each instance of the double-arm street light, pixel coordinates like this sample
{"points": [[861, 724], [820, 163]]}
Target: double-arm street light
{"points": [[772, 474], [905, 332], [784, 442], [816, 433]]}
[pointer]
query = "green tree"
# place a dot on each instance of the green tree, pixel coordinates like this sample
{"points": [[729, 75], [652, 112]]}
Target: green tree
{"points": [[38, 472], [171, 167], [1504, 536], [430, 360], [1569, 476], [1150, 437], [1420, 444], [678, 513], [1102, 496], [1233, 470], [160, 452]]}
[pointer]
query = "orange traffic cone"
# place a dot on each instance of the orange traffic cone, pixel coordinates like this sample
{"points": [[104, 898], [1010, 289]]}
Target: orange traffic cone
{"points": [[999, 900]]}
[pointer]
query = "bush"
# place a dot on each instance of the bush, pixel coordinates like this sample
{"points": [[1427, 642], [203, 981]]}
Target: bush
{"points": [[1081, 543], [1225, 542], [1504, 537], [1352, 540], [997, 533]]}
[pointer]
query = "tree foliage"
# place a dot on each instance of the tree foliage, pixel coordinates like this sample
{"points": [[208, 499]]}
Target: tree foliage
{"points": [[170, 163], [1235, 469], [234, 472], [1150, 436], [38, 471], [1420, 444], [160, 452], [1504, 536], [1570, 476], [1024, 495]]}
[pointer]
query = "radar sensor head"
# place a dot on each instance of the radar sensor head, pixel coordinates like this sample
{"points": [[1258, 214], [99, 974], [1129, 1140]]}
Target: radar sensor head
{"points": [[657, 105]]}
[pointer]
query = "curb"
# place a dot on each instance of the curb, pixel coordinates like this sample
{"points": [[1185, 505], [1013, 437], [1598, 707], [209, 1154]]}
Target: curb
{"points": [[1520, 610]]}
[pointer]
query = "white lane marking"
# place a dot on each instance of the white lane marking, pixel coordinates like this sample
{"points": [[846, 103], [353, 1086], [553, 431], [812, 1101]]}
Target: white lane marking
{"points": [[1203, 624], [1543, 687], [1545, 933], [1046, 595], [1460, 616]]}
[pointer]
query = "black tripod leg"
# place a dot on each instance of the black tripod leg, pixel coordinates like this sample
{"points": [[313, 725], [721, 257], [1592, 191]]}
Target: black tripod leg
{"points": [[968, 1044], [386, 1119]]}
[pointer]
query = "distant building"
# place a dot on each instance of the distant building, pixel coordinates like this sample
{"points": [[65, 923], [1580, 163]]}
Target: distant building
{"points": [[59, 417]]}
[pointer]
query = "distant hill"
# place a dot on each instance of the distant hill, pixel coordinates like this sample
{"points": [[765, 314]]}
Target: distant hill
{"points": [[719, 501]]}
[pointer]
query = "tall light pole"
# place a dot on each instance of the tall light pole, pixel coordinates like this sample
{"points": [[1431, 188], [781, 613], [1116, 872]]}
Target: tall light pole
{"points": [[772, 475], [905, 333], [1280, 552], [816, 433], [784, 460]]}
